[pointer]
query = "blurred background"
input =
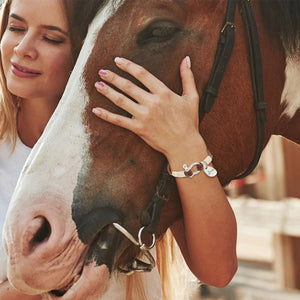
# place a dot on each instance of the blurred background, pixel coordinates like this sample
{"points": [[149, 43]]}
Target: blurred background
{"points": [[267, 209]]}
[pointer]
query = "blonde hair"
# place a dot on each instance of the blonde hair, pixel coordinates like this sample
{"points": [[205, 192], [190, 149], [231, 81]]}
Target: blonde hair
{"points": [[177, 281], [8, 102], [135, 287]]}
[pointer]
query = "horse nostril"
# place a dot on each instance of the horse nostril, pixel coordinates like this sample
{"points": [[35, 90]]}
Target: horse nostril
{"points": [[37, 232], [42, 234]]}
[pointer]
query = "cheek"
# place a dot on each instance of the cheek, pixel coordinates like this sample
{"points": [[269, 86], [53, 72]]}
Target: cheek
{"points": [[6, 48]]}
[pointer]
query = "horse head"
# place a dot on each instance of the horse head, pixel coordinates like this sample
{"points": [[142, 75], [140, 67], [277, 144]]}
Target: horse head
{"points": [[84, 174]]}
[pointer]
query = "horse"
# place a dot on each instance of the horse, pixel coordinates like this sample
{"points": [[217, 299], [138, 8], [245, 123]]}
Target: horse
{"points": [[83, 195]]}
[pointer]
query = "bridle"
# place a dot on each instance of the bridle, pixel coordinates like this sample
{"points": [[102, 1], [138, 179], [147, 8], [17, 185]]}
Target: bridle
{"points": [[222, 57], [151, 216]]}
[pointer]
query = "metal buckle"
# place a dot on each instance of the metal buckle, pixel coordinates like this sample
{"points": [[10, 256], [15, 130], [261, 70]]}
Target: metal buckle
{"points": [[141, 244], [230, 24], [187, 169]]}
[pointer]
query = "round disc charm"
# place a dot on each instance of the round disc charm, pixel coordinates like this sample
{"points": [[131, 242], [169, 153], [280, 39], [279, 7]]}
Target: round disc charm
{"points": [[210, 171]]}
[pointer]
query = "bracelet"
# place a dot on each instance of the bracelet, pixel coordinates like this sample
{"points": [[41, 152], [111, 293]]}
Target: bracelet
{"points": [[200, 166]]}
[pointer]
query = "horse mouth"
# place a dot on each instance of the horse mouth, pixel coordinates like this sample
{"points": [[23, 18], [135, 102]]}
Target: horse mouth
{"points": [[102, 241], [101, 251], [61, 292], [92, 280]]}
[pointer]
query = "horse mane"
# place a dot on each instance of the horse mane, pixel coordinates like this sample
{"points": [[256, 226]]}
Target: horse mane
{"points": [[282, 21]]}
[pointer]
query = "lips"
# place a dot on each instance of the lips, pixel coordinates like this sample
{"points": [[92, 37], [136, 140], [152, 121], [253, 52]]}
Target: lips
{"points": [[22, 71], [89, 280], [61, 291]]}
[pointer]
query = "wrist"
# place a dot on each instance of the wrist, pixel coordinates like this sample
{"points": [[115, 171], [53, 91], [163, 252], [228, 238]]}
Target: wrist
{"points": [[189, 150]]}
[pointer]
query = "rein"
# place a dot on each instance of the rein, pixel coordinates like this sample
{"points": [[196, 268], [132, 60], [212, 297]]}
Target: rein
{"points": [[151, 216]]}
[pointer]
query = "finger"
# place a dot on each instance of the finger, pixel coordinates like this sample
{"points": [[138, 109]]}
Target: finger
{"points": [[124, 85], [188, 80], [141, 74], [112, 118], [117, 98]]}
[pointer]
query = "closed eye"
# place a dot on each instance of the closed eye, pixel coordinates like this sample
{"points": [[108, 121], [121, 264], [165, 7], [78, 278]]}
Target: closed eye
{"points": [[12, 28], [159, 31], [45, 38], [53, 41]]}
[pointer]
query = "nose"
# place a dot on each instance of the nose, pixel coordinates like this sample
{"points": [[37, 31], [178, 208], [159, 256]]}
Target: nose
{"points": [[26, 47], [44, 234], [36, 243]]}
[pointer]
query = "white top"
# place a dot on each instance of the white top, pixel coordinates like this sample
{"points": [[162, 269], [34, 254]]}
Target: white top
{"points": [[11, 165]]}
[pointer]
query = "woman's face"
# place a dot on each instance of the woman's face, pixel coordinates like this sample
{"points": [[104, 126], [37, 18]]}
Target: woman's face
{"points": [[36, 49]]}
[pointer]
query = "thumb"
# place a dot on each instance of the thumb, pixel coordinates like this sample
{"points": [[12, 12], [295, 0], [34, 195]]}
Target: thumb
{"points": [[189, 89]]}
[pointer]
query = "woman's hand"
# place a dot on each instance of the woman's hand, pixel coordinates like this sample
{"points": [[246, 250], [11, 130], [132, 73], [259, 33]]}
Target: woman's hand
{"points": [[160, 117], [7, 292]]}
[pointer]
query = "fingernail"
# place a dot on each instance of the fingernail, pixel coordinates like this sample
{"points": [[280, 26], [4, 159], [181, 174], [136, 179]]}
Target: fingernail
{"points": [[102, 72], [119, 60], [100, 85], [97, 111], [188, 62]]}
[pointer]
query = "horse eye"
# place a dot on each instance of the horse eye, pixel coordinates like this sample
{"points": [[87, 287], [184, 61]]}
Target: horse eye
{"points": [[158, 32]]}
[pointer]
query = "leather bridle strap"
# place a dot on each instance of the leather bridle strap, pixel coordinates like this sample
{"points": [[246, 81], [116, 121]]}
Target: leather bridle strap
{"points": [[222, 57], [151, 216], [257, 81]]}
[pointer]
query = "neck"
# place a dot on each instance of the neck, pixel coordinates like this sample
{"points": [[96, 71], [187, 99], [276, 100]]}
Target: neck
{"points": [[32, 119]]}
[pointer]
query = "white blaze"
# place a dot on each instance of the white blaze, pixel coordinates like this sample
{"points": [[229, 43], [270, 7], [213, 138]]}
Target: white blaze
{"points": [[291, 92]]}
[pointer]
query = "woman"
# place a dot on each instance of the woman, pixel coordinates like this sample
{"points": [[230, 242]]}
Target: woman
{"points": [[37, 55], [38, 52]]}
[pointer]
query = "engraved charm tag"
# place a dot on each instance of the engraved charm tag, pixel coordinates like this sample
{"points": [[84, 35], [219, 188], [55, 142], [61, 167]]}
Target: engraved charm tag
{"points": [[210, 171]]}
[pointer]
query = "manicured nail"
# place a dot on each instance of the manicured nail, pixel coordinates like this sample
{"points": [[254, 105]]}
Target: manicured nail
{"points": [[97, 111], [102, 72], [100, 85], [188, 62], [119, 60]]}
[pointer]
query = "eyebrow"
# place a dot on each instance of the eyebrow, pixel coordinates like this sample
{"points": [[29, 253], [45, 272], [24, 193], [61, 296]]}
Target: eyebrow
{"points": [[49, 27]]}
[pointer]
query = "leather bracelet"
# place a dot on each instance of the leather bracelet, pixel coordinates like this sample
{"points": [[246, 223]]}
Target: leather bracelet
{"points": [[200, 166]]}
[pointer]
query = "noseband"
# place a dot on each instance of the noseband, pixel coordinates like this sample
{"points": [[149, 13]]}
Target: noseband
{"points": [[151, 216]]}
